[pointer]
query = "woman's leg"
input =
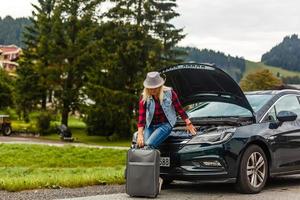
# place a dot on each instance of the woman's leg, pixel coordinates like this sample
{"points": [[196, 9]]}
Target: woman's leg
{"points": [[147, 133], [159, 135]]}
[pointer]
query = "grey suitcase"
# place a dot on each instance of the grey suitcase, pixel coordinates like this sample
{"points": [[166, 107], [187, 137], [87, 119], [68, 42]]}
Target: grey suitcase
{"points": [[142, 172]]}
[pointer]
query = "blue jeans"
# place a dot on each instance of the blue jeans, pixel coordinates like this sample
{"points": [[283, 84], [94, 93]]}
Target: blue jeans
{"points": [[154, 135]]}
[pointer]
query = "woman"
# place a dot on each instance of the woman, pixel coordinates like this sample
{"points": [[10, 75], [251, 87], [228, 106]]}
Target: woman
{"points": [[157, 112]]}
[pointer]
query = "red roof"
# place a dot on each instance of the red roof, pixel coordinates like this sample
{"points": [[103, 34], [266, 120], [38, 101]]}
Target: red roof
{"points": [[9, 48]]}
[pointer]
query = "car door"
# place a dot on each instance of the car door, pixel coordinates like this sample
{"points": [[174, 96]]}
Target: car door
{"points": [[285, 140]]}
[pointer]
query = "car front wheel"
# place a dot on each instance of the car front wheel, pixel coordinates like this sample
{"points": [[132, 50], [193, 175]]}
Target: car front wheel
{"points": [[253, 172]]}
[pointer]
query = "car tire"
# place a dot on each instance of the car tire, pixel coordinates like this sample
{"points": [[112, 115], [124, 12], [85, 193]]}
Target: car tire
{"points": [[253, 171], [7, 131]]}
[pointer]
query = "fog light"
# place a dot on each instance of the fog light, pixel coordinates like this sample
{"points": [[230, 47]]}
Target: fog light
{"points": [[214, 163]]}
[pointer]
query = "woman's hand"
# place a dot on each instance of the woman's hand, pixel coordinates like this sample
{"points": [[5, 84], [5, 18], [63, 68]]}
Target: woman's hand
{"points": [[140, 138], [190, 127]]}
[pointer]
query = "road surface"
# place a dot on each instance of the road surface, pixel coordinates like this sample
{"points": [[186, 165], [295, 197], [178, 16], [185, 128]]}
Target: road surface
{"points": [[283, 188]]}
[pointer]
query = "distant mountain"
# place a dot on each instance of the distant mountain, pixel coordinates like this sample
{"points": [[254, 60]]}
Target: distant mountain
{"points": [[285, 55], [234, 66], [11, 30]]}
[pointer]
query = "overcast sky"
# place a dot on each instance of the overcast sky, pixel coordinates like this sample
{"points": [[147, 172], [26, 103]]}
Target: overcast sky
{"points": [[246, 28]]}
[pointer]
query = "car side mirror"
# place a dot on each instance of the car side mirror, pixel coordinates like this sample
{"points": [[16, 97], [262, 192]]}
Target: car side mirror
{"points": [[283, 116], [286, 116]]}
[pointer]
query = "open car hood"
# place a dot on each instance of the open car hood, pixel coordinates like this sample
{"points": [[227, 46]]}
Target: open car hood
{"points": [[195, 82]]}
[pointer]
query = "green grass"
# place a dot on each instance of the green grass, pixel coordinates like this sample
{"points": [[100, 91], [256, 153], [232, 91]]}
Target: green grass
{"points": [[78, 128], [37, 166], [23, 126], [74, 122], [256, 66], [80, 135]]}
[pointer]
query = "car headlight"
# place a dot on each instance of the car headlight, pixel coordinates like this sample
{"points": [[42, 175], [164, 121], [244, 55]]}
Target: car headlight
{"points": [[214, 137]]}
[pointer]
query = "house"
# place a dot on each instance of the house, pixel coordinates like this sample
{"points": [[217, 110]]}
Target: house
{"points": [[9, 54]]}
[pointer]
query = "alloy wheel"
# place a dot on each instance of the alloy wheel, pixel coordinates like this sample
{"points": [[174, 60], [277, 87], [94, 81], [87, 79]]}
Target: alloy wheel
{"points": [[256, 170]]}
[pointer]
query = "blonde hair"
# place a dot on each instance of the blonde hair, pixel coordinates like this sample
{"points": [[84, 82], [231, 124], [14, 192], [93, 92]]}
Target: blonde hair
{"points": [[146, 95]]}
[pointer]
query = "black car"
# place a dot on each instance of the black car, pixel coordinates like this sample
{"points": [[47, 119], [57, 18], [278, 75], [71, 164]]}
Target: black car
{"points": [[241, 138]]}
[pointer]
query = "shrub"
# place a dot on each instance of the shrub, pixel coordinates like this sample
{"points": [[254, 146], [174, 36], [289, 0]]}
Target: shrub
{"points": [[111, 115], [43, 123]]}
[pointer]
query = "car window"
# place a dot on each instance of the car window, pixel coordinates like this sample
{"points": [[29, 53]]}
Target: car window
{"points": [[288, 103], [271, 116], [258, 100]]}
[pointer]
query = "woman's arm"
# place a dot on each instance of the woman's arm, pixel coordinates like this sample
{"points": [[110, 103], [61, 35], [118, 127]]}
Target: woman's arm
{"points": [[140, 137], [177, 105], [182, 113]]}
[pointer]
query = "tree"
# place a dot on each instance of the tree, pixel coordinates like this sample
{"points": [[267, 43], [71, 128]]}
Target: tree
{"points": [[27, 89], [166, 31], [260, 80], [232, 65], [124, 54], [138, 37], [6, 88], [154, 17], [37, 53], [11, 30], [73, 39], [285, 55], [59, 48], [291, 79]]}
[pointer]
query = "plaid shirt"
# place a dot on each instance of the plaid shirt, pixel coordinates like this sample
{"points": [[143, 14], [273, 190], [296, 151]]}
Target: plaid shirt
{"points": [[159, 115]]}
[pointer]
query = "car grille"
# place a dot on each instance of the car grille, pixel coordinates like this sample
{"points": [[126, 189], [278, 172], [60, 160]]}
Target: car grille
{"points": [[171, 147]]}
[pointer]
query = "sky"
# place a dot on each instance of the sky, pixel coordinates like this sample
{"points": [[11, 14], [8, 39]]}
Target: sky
{"points": [[244, 28]]}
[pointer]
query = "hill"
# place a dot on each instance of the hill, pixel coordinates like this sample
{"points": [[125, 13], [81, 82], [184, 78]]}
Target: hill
{"points": [[234, 66], [277, 71], [286, 54], [11, 30]]}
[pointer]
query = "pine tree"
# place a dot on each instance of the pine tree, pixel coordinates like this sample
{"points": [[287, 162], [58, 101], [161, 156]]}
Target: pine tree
{"points": [[124, 54], [36, 58], [6, 90], [166, 31], [73, 39], [27, 89], [154, 17]]}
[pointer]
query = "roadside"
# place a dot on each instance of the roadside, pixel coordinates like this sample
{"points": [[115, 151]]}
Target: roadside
{"points": [[34, 140], [32, 166], [280, 188], [48, 194]]}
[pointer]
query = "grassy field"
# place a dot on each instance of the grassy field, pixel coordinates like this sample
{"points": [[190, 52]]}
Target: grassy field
{"points": [[80, 135], [36, 166], [77, 126], [255, 66]]}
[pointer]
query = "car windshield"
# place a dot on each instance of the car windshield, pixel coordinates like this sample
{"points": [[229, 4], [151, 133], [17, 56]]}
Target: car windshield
{"points": [[222, 109], [258, 100]]}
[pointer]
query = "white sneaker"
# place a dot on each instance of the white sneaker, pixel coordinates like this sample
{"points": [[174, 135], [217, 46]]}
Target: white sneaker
{"points": [[160, 184]]}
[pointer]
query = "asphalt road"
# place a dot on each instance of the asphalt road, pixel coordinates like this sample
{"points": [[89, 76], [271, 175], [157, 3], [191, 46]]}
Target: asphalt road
{"points": [[33, 140], [283, 188]]}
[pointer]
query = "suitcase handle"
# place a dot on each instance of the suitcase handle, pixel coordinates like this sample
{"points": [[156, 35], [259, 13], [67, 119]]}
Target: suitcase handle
{"points": [[142, 163], [135, 146]]}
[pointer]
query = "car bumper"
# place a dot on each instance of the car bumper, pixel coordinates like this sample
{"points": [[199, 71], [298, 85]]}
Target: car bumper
{"points": [[210, 163]]}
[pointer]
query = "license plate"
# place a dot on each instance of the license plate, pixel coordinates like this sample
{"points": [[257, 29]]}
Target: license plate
{"points": [[165, 161]]}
